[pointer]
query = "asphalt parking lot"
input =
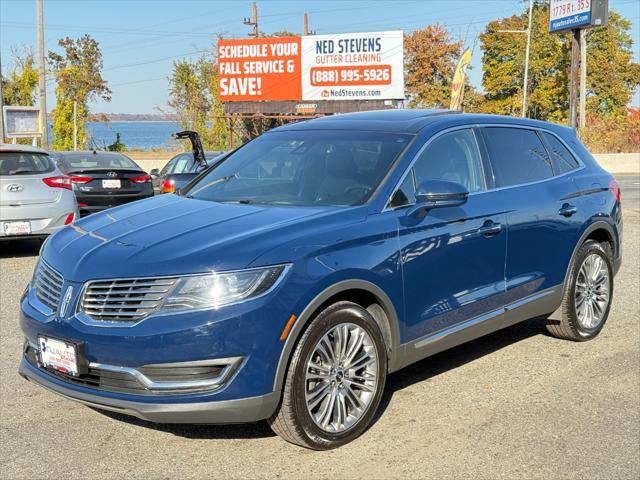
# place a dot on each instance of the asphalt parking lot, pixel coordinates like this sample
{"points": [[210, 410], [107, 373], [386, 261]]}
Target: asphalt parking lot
{"points": [[515, 404]]}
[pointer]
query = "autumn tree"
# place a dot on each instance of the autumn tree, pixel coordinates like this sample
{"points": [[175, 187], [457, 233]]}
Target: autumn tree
{"points": [[193, 97], [19, 87], [430, 61], [611, 75], [78, 74]]}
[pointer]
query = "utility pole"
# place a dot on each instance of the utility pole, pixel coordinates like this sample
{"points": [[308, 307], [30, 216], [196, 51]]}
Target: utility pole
{"points": [[526, 63], [75, 126], [306, 25], [253, 21], [574, 78], [1, 105], [41, 80], [525, 83], [583, 77]]}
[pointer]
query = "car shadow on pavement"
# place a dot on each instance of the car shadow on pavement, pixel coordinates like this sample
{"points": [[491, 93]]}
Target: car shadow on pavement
{"points": [[20, 248], [422, 371], [443, 362]]}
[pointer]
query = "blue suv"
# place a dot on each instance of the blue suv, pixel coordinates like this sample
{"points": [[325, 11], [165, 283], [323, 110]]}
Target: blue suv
{"points": [[290, 278]]}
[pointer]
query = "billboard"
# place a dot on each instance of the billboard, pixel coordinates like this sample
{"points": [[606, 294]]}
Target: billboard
{"points": [[573, 14], [353, 66]]}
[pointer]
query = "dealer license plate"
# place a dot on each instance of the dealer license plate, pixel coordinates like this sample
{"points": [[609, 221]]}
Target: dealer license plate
{"points": [[111, 184], [58, 355], [17, 228]]}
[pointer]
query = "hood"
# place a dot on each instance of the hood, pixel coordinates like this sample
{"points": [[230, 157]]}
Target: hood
{"points": [[172, 235]]}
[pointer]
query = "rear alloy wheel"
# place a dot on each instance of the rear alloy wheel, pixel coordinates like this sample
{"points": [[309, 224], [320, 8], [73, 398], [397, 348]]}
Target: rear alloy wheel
{"points": [[335, 380], [587, 297]]}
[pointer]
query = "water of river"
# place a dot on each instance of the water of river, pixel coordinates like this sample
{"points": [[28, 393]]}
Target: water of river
{"points": [[138, 135]]}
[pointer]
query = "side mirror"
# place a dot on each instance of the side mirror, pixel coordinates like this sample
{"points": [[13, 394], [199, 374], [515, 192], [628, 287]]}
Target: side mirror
{"points": [[155, 172], [437, 194]]}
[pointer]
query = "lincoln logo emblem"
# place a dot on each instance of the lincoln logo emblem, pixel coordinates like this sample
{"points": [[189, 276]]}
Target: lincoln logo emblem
{"points": [[65, 301]]}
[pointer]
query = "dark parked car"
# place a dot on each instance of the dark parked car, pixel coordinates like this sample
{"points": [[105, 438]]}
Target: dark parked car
{"points": [[184, 167], [104, 179], [180, 170], [286, 282]]}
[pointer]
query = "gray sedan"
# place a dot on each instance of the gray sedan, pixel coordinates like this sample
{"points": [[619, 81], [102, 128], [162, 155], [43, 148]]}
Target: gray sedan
{"points": [[36, 199]]}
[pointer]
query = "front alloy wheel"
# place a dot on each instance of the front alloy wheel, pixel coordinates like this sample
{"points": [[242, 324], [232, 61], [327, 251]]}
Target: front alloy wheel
{"points": [[341, 377], [335, 379]]}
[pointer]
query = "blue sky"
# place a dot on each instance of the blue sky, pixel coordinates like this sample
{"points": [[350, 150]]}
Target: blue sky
{"points": [[141, 38]]}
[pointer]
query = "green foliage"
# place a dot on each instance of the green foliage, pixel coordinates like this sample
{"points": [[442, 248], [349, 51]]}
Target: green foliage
{"points": [[611, 75], [78, 74], [19, 88], [430, 61], [193, 96], [117, 146]]}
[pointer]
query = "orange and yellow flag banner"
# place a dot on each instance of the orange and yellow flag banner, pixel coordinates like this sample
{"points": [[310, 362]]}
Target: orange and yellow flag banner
{"points": [[457, 86]]}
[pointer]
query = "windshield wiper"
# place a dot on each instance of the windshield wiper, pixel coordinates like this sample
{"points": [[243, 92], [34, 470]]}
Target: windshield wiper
{"points": [[210, 184], [24, 172]]}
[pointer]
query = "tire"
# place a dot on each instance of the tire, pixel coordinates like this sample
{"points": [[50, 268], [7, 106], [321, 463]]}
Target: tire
{"points": [[299, 418], [573, 323]]}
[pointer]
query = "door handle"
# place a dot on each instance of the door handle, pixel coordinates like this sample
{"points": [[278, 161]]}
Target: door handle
{"points": [[490, 229], [567, 210]]}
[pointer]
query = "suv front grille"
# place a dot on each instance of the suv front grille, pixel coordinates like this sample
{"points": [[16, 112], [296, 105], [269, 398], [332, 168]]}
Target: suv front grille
{"points": [[48, 285], [126, 300]]}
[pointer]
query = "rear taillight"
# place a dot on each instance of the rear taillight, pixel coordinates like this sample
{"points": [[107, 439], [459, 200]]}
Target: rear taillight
{"points": [[168, 186], [70, 218], [614, 188], [141, 179], [81, 205], [80, 179], [58, 182]]}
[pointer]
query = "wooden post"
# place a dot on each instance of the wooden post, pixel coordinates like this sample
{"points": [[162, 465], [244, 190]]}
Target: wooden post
{"points": [[574, 78], [583, 78], [41, 80]]}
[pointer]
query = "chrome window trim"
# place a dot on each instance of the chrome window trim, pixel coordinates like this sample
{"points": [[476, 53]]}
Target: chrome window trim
{"points": [[478, 126], [85, 319]]}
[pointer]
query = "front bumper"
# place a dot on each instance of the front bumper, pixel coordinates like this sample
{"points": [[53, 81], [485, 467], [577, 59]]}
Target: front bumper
{"points": [[242, 410]]}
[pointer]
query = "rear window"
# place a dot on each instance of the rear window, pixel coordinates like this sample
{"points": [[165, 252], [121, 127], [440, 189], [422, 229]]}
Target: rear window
{"points": [[517, 156], [88, 161], [563, 159], [24, 163]]}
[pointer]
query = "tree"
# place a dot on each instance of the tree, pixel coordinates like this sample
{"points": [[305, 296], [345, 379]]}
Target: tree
{"points": [[193, 96], [430, 61], [19, 88], [78, 74], [117, 146], [609, 88]]}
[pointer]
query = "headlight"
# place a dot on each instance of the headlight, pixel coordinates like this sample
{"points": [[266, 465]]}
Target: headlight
{"points": [[219, 289]]}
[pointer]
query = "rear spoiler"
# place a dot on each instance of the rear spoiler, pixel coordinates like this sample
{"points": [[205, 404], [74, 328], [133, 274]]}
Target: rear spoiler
{"points": [[196, 145]]}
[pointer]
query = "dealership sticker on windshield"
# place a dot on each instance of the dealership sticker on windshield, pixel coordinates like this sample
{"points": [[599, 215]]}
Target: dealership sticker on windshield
{"points": [[17, 228], [110, 183], [58, 355]]}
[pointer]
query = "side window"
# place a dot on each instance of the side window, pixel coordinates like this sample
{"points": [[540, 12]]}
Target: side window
{"points": [[168, 168], [183, 164], [453, 156], [563, 159], [517, 156], [405, 195]]}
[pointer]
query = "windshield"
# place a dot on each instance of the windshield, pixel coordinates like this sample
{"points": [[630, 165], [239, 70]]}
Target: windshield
{"points": [[90, 160], [303, 168], [24, 163]]}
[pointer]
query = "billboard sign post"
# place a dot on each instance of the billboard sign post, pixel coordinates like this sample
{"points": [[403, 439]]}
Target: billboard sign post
{"points": [[354, 66], [573, 16]]}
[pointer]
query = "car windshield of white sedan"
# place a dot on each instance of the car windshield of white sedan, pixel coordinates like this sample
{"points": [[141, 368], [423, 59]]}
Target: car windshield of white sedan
{"points": [[303, 168], [24, 163]]}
